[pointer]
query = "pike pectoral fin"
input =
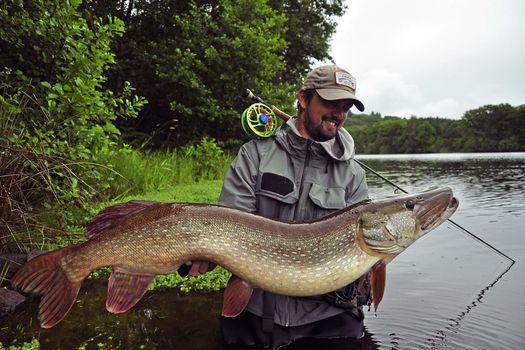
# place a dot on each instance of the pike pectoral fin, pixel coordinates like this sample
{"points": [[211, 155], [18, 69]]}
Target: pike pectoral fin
{"points": [[236, 296], [125, 289], [112, 216], [378, 282]]}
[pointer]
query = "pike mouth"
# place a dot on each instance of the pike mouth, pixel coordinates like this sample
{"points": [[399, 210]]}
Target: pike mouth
{"points": [[436, 210]]}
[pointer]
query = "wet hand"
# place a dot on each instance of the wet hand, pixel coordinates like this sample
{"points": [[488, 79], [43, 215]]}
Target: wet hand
{"points": [[193, 268]]}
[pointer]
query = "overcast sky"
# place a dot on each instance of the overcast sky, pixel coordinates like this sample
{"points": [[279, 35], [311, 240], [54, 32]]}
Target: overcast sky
{"points": [[435, 58]]}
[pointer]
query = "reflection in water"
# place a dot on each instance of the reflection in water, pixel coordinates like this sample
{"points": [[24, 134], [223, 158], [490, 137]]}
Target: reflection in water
{"points": [[439, 338], [445, 291]]}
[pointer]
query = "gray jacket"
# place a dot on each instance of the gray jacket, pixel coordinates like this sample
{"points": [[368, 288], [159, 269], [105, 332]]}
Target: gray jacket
{"points": [[290, 178]]}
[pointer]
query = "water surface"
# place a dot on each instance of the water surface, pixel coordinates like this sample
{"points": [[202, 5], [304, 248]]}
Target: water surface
{"points": [[447, 290]]}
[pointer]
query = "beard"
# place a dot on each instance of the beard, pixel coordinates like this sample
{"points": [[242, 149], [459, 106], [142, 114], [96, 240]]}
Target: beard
{"points": [[317, 131]]}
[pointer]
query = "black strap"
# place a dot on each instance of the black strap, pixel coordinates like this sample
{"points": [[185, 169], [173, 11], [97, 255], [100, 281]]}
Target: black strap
{"points": [[268, 317], [268, 312]]}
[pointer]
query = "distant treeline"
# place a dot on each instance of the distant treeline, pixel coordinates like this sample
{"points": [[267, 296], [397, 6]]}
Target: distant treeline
{"points": [[490, 128]]}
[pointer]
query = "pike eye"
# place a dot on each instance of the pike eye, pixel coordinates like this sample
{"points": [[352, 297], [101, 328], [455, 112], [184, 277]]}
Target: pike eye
{"points": [[410, 204]]}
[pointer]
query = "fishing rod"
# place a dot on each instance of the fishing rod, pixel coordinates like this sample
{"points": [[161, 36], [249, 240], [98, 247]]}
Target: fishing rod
{"points": [[260, 120]]}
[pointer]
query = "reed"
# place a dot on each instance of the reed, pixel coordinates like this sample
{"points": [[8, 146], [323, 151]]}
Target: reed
{"points": [[144, 172]]}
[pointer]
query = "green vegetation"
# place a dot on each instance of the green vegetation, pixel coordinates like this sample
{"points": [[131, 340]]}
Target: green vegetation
{"points": [[56, 118], [212, 281], [141, 172], [192, 59], [32, 345], [491, 128]]}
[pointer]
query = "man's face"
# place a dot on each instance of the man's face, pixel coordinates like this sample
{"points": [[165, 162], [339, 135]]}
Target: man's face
{"points": [[322, 118]]}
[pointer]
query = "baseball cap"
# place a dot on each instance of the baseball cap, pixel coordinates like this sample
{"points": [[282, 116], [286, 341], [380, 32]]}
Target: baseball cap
{"points": [[333, 83]]}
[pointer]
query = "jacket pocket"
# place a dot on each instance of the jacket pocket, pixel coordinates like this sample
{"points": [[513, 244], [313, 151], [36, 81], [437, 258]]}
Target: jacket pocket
{"points": [[327, 197], [277, 187]]}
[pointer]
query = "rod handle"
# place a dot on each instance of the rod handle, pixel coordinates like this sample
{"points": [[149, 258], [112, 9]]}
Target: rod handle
{"points": [[247, 93]]}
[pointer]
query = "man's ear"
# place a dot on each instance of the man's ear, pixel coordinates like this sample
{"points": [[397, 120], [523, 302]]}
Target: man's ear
{"points": [[301, 98]]}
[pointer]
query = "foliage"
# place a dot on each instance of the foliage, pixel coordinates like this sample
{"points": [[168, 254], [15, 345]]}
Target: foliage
{"points": [[56, 117], [491, 128], [32, 345], [309, 26], [212, 281], [495, 128], [145, 171], [192, 60], [166, 176], [208, 158]]}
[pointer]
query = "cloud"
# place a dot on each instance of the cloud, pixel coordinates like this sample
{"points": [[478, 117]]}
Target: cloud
{"points": [[433, 58]]}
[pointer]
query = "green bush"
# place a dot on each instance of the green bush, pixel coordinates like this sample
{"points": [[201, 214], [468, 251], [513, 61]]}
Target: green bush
{"points": [[56, 117], [32, 345], [207, 159]]}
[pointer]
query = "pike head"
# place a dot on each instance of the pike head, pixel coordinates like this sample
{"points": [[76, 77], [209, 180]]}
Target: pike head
{"points": [[388, 226]]}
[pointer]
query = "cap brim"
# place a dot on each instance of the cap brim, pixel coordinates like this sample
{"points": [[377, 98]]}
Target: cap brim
{"points": [[339, 94]]}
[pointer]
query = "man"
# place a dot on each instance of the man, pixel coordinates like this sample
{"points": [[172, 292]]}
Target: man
{"points": [[303, 172]]}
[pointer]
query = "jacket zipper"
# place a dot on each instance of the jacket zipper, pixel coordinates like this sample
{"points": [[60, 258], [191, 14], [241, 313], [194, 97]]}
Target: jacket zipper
{"points": [[298, 208], [300, 205]]}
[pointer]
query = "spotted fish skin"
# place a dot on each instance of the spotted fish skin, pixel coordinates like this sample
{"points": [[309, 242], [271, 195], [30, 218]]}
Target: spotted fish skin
{"points": [[297, 259]]}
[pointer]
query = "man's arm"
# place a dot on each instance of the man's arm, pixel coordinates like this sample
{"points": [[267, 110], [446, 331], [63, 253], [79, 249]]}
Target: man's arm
{"points": [[238, 189]]}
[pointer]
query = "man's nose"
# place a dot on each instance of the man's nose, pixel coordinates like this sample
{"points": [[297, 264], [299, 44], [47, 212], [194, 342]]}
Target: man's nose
{"points": [[341, 111], [341, 108]]}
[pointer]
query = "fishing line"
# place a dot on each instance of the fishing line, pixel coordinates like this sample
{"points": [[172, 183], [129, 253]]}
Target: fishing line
{"points": [[455, 224], [284, 116], [453, 327]]}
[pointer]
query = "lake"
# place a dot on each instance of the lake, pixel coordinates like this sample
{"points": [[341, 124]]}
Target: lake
{"points": [[447, 291]]}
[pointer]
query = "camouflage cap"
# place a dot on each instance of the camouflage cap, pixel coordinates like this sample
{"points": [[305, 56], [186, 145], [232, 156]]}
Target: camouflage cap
{"points": [[333, 83]]}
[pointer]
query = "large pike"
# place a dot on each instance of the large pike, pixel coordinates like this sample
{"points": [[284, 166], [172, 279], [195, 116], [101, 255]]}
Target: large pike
{"points": [[143, 239]]}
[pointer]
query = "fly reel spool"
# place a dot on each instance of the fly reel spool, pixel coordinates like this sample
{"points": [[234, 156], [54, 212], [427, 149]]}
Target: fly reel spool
{"points": [[259, 120]]}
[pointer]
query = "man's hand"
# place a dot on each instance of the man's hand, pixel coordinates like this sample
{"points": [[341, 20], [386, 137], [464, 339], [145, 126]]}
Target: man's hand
{"points": [[193, 268]]}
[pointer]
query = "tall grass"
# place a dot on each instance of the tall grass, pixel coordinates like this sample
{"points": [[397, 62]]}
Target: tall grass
{"points": [[144, 172]]}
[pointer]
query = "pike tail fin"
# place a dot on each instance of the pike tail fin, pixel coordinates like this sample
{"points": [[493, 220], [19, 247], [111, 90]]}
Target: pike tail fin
{"points": [[125, 289], [378, 282], [44, 275]]}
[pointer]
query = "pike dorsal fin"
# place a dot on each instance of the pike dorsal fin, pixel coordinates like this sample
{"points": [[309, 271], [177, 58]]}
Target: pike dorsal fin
{"points": [[125, 289], [236, 296], [114, 215]]}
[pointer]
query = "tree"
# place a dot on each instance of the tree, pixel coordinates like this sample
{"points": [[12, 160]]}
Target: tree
{"points": [[193, 59], [493, 128], [310, 25]]}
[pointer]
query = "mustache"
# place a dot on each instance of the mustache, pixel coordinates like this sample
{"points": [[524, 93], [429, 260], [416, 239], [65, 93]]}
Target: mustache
{"points": [[332, 118]]}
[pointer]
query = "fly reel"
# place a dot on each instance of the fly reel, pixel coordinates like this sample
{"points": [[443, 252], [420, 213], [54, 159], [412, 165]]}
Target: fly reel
{"points": [[259, 120]]}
